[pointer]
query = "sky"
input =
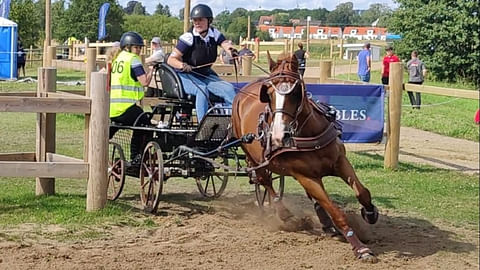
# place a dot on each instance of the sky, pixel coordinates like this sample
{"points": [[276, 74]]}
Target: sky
{"points": [[220, 5]]}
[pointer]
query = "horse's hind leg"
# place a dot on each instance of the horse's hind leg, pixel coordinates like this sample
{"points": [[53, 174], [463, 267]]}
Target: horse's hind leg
{"points": [[290, 222], [327, 224], [316, 190], [344, 169]]}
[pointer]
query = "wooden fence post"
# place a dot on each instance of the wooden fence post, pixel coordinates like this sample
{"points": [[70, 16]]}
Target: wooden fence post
{"points": [[246, 65], [257, 50], [91, 66], [98, 143], [394, 114], [325, 70], [45, 134], [51, 54], [30, 55]]}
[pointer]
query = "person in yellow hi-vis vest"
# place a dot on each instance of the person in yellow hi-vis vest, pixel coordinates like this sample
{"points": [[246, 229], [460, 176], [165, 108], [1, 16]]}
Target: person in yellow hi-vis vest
{"points": [[126, 88]]}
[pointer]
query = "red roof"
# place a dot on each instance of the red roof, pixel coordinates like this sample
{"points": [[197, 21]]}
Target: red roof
{"points": [[326, 29]]}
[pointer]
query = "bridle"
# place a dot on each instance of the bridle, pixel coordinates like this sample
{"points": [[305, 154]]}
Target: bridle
{"points": [[284, 89]]}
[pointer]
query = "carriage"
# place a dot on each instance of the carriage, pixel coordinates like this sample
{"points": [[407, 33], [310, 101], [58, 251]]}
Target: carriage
{"points": [[179, 146]]}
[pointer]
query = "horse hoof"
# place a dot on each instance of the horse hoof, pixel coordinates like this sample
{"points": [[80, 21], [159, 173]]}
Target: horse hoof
{"points": [[365, 255], [370, 217]]}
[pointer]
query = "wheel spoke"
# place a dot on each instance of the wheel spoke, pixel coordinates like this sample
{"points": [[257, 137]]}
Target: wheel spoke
{"points": [[213, 186]]}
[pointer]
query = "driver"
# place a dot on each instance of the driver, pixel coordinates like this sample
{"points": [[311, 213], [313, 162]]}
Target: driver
{"points": [[193, 57]]}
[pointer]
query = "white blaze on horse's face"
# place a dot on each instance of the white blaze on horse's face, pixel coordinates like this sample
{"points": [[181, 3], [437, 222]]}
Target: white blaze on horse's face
{"points": [[278, 127]]}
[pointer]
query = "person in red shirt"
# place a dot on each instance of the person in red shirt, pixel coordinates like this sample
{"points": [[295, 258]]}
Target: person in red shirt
{"points": [[389, 58]]}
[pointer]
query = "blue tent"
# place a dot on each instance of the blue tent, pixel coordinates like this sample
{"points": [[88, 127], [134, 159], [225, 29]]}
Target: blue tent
{"points": [[8, 49]]}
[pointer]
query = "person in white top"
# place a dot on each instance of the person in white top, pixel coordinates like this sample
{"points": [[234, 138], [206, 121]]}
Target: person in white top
{"points": [[158, 56]]}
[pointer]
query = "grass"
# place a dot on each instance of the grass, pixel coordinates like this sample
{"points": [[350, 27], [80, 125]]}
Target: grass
{"points": [[411, 190], [443, 115], [63, 75]]}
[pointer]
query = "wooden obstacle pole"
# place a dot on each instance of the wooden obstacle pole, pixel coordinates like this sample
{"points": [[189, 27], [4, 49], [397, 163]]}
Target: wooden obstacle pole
{"points": [[257, 50], [98, 143], [91, 66], [186, 16], [325, 70], [248, 28], [45, 142], [246, 65], [51, 54], [394, 113]]}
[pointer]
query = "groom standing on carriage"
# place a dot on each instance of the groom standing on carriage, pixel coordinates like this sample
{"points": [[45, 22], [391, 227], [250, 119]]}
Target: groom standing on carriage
{"points": [[193, 57]]}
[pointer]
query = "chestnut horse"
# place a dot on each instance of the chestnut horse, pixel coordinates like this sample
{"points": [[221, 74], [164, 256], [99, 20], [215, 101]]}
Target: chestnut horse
{"points": [[297, 137]]}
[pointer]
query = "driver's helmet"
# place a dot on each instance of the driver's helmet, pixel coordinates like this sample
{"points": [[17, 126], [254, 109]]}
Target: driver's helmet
{"points": [[202, 11], [131, 39]]}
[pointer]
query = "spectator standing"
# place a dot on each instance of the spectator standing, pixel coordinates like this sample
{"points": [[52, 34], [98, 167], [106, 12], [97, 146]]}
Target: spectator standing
{"points": [[416, 75], [158, 56], [245, 51], [301, 57], [21, 58], [364, 63], [389, 58], [225, 56]]}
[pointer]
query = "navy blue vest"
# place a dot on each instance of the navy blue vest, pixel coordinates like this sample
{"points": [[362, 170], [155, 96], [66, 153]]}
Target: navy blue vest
{"points": [[201, 53]]}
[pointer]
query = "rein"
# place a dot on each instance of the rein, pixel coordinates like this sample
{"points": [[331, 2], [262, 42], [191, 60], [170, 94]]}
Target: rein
{"points": [[294, 143]]}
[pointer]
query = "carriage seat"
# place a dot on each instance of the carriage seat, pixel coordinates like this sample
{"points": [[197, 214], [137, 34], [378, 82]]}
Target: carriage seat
{"points": [[172, 86]]}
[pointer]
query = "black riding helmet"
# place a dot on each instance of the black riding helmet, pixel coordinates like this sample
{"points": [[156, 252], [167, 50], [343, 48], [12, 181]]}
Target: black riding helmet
{"points": [[202, 11], [131, 39]]}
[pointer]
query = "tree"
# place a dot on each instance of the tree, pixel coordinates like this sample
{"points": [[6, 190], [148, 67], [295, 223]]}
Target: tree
{"points": [[445, 33], [237, 28], [167, 28], [342, 15], [81, 20], [380, 12], [130, 7], [180, 14], [58, 12], [27, 17], [162, 10], [139, 9], [223, 20]]}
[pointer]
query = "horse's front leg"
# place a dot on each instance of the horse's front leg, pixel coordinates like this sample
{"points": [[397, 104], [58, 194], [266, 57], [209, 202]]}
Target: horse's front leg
{"points": [[316, 190], [344, 169]]}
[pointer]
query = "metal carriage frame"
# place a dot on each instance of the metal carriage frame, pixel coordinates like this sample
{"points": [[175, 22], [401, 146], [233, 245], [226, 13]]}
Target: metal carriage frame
{"points": [[178, 146]]}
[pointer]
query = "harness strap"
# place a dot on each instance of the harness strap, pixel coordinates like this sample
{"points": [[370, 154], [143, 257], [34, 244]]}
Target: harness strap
{"points": [[317, 142]]}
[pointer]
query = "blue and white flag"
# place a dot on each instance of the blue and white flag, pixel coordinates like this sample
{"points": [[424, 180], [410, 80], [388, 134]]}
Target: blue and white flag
{"points": [[4, 8], [102, 28]]}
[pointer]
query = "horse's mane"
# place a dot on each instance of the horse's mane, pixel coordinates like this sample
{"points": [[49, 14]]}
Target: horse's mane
{"points": [[289, 58]]}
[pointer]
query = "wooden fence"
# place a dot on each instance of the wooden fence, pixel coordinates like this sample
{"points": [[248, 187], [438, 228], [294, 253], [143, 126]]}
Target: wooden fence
{"points": [[45, 164]]}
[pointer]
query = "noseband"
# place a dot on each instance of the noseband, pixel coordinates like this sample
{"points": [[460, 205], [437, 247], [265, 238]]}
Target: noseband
{"points": [[284, 89]]}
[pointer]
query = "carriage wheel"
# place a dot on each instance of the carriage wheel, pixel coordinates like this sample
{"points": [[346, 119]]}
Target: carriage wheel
{"points": [[116, 171], [213, 185], [262, 196], [151, 177]]}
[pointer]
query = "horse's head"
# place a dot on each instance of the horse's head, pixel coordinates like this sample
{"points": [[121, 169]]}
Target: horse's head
{"points": [[284, 91]]}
